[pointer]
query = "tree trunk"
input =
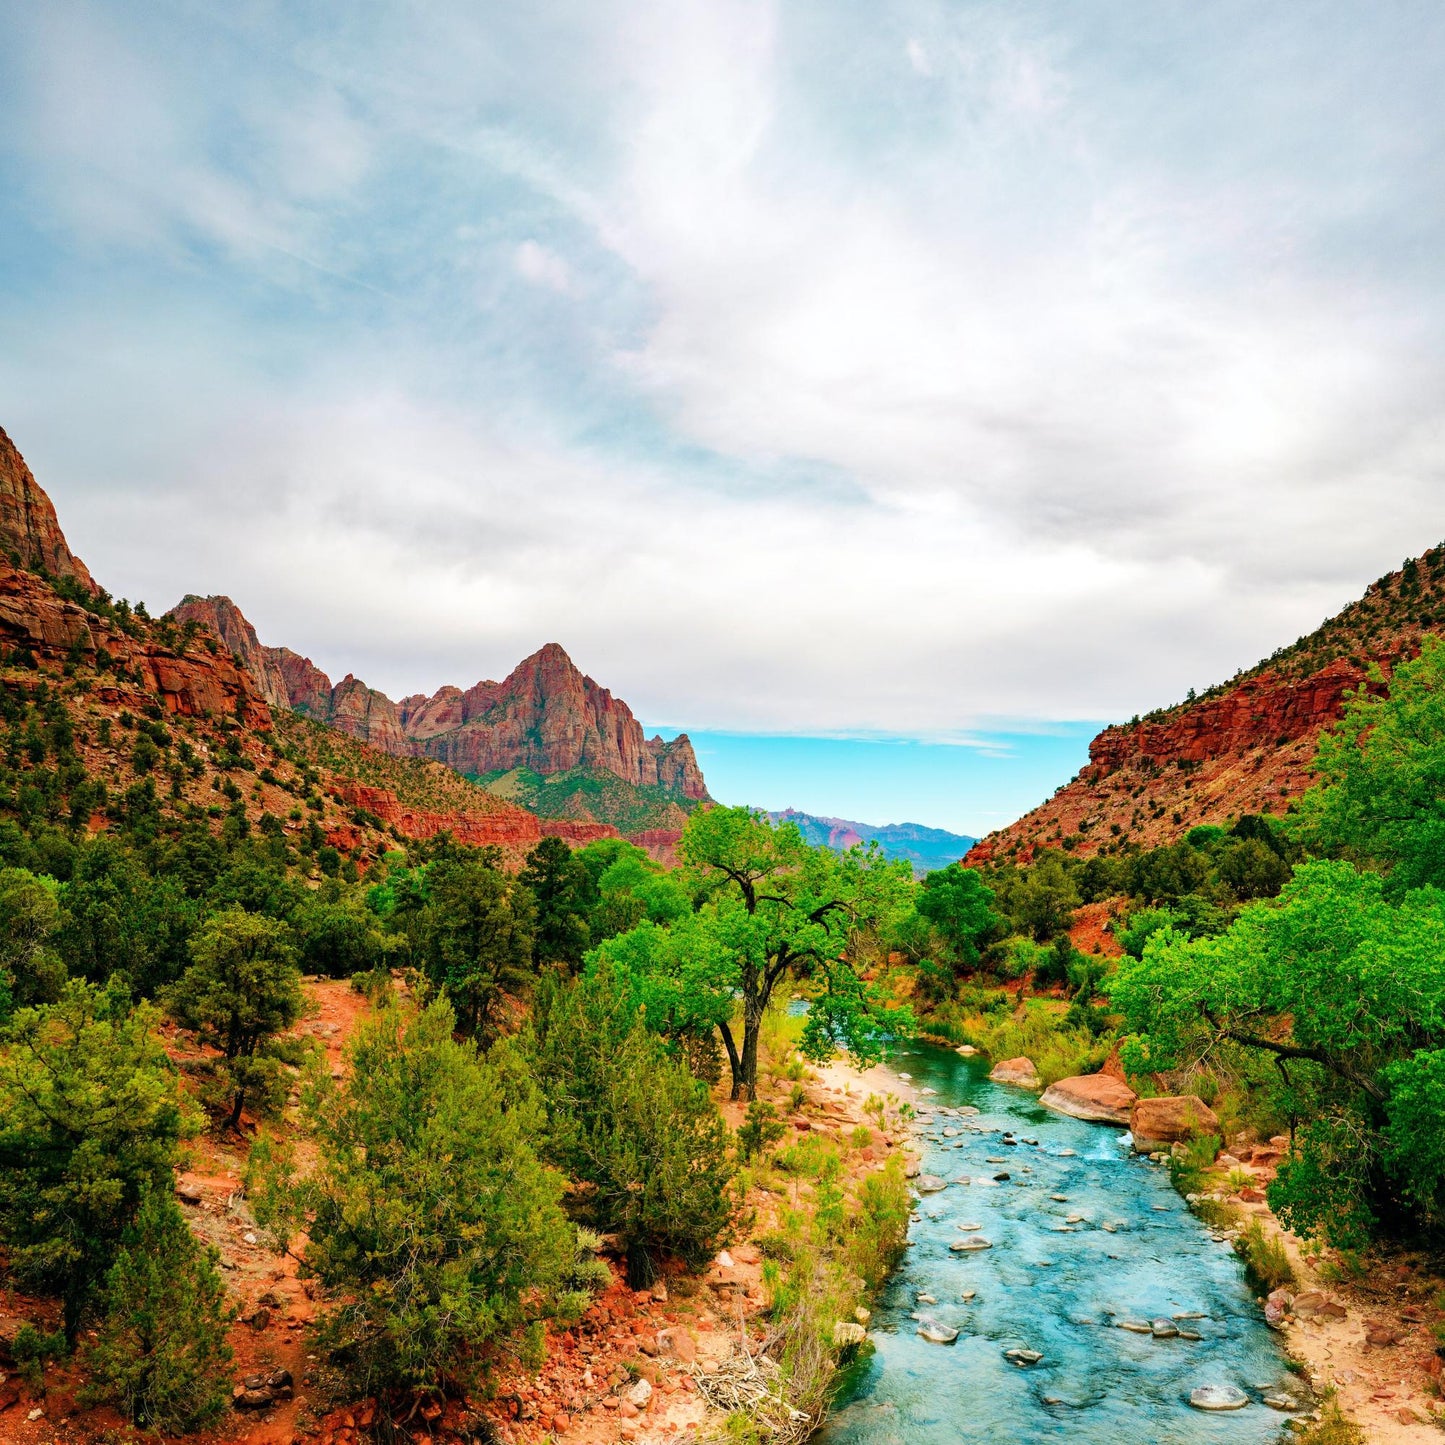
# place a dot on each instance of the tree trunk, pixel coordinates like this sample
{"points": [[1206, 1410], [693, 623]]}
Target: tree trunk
{"points": [[234, 1122], [751, 1027], [734, 1062]]}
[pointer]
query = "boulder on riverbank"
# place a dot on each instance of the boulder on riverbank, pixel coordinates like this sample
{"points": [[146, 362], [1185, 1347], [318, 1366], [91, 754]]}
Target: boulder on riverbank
{"points": [[1099, 1098], [1174, 1119], [1019, 1071]]}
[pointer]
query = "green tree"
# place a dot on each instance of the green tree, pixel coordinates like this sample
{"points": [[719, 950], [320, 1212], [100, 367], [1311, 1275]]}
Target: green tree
{"points": [[242, 990], [160, 1353], [1043, 900], [779, 909], [90, 1118], [960, 906], [427, 1209], [565, 894], [479, 930], [336, 934], [1381, 790], [30, 971], [1345, 991], [641, 1136]]}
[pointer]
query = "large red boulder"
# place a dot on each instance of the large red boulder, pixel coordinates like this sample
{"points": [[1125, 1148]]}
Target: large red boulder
{"points": [[1020, 1071], [1100, 1098], [1174, 1119]]}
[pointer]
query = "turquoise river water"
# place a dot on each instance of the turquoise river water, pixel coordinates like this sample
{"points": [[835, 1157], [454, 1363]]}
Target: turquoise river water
{"points": [[1053, 1287]]}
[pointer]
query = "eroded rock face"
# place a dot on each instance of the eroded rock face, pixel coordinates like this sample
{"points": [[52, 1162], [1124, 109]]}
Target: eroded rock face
{"points": [[187, 683], [1174, 1119], [1245, 747], [1100, 1098], [504, 825], [546, 716], [222, 617], [29, 529]]}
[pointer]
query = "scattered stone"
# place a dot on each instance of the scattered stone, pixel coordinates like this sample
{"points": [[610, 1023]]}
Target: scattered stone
{"points": [[250, 1237], [967, 1295], [1190, 1315], [930, 1184], [970, 1228], [1382, 1336], [967, 1246], [937, 1334], [639, 1393], [1164, 1329], [967, 1051], [1136, 1327], [189, 1193], [1218, 1397], [1281, 1402], [1059, 1198], [1192, 1335], [1020, 1356], [846, 1333], [1068, 1154], [926, 1299]]}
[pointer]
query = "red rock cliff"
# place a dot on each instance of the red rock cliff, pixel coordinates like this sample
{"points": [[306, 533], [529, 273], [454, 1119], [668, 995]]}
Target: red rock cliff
{"points": [[1243, 747], [30, 534]]}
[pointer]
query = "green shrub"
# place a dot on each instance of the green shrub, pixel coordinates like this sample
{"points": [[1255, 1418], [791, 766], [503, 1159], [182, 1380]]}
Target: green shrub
{"points": [[161, 1354], [429, 1212], [90, 1118], [1265, 1260], [760, 1130], [642, 1138]]}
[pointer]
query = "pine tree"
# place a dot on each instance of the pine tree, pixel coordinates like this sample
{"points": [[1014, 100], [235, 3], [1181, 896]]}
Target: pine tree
{"points": [[161, 1351]]}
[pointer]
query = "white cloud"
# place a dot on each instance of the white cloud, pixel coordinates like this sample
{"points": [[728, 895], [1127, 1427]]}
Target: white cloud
{"points": [[543, 267], [1094, 368]]}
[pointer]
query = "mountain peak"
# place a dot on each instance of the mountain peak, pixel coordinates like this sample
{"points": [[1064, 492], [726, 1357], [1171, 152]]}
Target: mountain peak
{"points": [[29, 529]]}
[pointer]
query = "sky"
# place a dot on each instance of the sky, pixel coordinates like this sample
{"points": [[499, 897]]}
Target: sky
{"points": [[887, 392]]}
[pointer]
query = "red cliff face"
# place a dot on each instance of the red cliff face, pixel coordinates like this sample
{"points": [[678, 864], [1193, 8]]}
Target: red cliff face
{"points": [[549, 717], [187, 683], [546, 716], [504, 826], [222, 617], [1244, 747], [30, 535]]}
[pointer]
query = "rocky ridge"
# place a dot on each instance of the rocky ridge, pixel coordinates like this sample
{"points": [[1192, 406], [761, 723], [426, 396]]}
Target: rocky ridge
{"points": [[546, 716], [1244, 746]]}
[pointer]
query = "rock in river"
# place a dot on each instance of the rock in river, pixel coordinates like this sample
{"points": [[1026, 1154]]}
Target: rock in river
{"points": [[1218, 1397], [973, 1242], [929, 1184], [937, 1334], [1020, 1356], [1020, 1071], [1099, 1098]]}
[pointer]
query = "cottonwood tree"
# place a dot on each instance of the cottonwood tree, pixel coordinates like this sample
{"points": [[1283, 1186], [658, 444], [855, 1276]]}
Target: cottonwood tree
{"points": [[775, 909], [1343, 991]]}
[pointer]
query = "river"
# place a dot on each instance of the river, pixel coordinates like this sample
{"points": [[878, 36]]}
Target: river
{"points": [[1053, 1286]]}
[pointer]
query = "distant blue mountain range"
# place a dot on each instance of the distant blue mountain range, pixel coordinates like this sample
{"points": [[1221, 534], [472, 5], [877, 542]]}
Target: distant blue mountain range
{"points": [[926, 848]]}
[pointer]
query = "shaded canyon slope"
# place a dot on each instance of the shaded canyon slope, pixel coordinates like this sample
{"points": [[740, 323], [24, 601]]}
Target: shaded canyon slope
{"points": [[1244, 746], [925, 848], [547, 736]]}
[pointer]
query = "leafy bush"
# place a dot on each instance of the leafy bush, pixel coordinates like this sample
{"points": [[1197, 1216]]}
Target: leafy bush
{"points": [[161, 1354], [90, 1119], [641, 1136], [760, 1130], [242, 990], [429, 1210], [1265, 1260]]}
